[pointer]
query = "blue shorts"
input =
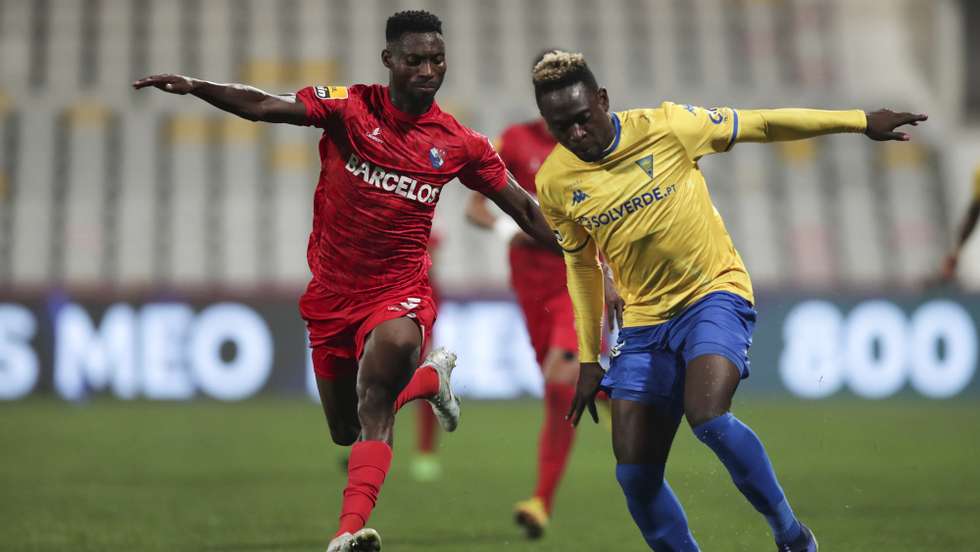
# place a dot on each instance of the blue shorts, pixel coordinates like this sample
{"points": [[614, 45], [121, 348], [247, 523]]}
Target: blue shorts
{"points": [[648, 362]]}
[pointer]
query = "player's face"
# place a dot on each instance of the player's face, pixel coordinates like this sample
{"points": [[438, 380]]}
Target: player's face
{"points": [[417, 62], [579, 119]]}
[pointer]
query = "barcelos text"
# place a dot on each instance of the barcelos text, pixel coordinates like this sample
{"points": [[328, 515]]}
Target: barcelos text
{"points": [[390, 181]]}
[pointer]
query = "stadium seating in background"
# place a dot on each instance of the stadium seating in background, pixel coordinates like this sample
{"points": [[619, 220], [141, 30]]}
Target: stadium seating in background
{"points": [[102, 186]]}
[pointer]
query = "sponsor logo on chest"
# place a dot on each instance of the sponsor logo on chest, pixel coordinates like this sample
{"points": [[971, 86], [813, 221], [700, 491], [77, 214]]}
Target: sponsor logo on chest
{"points": [[390, 181], [626, 208]]}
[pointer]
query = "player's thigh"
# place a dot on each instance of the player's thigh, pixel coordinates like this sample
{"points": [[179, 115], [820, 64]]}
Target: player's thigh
{"points": [[391, 354], [710, 384], [336, 380], [642, 432]]}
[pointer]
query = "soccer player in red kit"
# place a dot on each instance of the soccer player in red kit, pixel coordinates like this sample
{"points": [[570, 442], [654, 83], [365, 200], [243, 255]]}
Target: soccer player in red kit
{"points": [[537, 277], [386, 152]]}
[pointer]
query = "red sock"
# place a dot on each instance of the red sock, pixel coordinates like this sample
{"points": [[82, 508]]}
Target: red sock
{"points": [[426, 429], [366, 471], [556, 440], [424, 383]]}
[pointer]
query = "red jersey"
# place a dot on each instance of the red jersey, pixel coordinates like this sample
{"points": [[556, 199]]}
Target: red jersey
{"points": [[535, 273], [381, 174]]}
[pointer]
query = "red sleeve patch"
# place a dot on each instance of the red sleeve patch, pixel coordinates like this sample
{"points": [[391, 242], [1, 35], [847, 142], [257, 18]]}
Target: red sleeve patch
{"points": [[322, 103], [331, 92]]}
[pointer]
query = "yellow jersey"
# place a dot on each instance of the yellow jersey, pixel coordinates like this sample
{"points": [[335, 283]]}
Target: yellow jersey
{"points": [[645, 206]]}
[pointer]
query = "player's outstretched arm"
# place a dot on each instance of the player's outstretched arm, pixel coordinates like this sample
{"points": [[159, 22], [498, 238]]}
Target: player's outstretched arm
{"points": [[245, 101], [520, 206], [776, 125]]}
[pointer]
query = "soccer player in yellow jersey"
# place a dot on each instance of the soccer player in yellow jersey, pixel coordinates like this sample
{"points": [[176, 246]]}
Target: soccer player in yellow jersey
{"points": [[627, 185], [966, 229]]}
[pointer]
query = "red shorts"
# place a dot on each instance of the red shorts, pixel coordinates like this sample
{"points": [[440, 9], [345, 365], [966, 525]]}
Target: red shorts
{"points": [[339, 325], [550, 323]]}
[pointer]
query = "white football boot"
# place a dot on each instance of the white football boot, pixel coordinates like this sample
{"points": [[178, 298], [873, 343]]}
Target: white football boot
{"points": [[365, 540], [445, 403]]}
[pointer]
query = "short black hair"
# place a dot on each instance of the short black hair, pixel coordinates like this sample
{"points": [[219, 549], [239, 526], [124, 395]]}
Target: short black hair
{"points": [[411, 21], [557, 69]]}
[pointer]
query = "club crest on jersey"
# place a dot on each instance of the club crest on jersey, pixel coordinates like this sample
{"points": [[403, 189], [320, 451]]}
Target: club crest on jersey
{"points": [[578, 196], [646, 164], [437, 157]]}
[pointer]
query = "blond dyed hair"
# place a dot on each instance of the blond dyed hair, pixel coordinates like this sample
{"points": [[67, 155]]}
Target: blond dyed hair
{"points": [[560, 68]]}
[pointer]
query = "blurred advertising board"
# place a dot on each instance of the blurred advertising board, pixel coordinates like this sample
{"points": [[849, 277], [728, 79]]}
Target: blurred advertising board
{"points": [[232, 349]]}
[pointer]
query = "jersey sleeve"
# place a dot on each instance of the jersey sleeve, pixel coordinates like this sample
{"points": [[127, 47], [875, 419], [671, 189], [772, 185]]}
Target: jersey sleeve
{"points": [[584, 275], [702, 131], [322, 103], [784, 124], [485, 173], [571, 236]]}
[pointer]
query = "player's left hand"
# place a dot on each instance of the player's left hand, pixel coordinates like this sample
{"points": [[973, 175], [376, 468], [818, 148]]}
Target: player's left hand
{"points": [[882, 124], [589, 377], [174, 84]]}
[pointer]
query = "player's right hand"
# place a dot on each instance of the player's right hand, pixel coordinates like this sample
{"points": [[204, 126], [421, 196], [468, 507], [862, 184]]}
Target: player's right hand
{"points": [[589, 377], [174, 84]]}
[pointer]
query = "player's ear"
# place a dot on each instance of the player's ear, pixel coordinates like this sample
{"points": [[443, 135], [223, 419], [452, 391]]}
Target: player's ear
{"points": [[603, 98], [386, 57]]}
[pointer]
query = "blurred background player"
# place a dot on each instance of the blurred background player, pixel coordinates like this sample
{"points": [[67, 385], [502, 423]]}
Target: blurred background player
{"points": [[386, 152], [426, 466], [628, 184], [950, 262], [537, 277]]}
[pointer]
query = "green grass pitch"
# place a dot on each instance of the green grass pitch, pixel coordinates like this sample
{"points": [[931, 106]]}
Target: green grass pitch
{"points": [[263, 476]]}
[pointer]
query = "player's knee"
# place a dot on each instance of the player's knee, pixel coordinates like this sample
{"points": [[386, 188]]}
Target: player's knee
{"points": [[561, 367], [704, 409], [397, 344], [640, 480], [344, 435], [698, 414]]}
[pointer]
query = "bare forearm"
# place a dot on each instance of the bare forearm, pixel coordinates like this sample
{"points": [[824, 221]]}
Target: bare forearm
{"points": [[533, 223], [245, 101], [520, 206], [242, 100]]}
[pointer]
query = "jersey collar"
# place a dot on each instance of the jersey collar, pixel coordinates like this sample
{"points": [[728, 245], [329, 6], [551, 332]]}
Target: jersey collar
{"points": [[615, 142]]}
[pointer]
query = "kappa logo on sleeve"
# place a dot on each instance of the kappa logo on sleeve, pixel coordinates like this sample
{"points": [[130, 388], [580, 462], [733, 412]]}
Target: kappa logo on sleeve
{"points": [[331, 92]]}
